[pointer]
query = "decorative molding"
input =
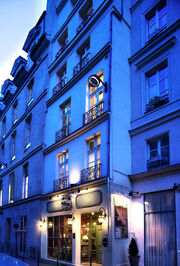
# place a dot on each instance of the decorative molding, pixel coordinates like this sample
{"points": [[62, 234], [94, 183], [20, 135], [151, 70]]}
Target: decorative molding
{"points": [[102, 53], [152, 44], [77, 133], [60, 6], [171, 169], [169, 43], [135, 5]]}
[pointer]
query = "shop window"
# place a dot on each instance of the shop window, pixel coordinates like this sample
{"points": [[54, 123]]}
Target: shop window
{"points": [[25, 182], [60, 238], [157, 87], [11, 187], [121, 222], [157, 19], [160, 228], [158, 152]]}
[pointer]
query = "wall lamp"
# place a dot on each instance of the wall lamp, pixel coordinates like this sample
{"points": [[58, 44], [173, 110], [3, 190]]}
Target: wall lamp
{"points": [[2, 165], [70, 220], [94, 81], [102, 215], [42, 222], [135, 195]]}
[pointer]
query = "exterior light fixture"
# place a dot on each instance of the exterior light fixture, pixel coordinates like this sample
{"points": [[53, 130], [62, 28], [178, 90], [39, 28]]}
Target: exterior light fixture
{"points": [[2, 165], [71, 220], [94, 81], [50, 224], [135, 195], [102, 215], [42, 222]]}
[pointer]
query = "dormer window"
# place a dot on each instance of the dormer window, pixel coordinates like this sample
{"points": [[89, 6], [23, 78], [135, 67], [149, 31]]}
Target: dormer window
{"points": [[30, 92], [63, 42]]}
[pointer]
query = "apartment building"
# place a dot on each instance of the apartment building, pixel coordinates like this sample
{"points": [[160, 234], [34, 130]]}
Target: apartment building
{"points": [[21, 143], [155, 122]]}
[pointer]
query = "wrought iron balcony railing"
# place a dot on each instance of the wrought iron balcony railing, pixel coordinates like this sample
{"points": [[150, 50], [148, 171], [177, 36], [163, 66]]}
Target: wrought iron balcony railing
{"points": [[159, 160], [93, 113], [61, 183], [85, 21], [62, 48], [62, 133], [60, 85], [157, 102], [84, 61], [91, 173]]}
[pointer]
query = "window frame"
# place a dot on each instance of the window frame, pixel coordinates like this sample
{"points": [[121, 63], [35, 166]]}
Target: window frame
{"points": [[28, 131], [11, 194], [25, 181]]}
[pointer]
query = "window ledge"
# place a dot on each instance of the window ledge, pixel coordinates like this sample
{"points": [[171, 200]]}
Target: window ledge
{"points": [[13, 158], [27, 146], [30, 101]]}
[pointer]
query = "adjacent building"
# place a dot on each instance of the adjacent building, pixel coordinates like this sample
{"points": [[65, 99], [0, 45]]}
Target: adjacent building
{"points": [[89, 135]]}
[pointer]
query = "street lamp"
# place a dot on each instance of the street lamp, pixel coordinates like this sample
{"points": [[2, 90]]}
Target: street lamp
{"points": [[94, 81]]}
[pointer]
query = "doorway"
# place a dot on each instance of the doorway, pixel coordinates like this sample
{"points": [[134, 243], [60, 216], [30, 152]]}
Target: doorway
{"points": [[91, 239]]}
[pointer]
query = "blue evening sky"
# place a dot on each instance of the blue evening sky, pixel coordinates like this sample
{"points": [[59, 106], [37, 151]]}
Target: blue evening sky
{"points": [[17, 18]]}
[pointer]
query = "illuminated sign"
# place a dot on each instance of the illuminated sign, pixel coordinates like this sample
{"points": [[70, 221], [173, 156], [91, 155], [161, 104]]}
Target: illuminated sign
{"points": [[89, 199]]}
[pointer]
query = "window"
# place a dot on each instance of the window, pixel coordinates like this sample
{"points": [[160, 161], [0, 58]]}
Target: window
{"points": [[13, 146], [60, 238], [121, 222], [85, 13], [11, 187], [157, 19], [30, 92], [8, 234], [1, 191], [66, 118], [157, 87], [62, 79], [22, 235], [62, 181], [14, 113], [27, 132], [2, 157], [4, 127], [25, 182], [158, 152], [160, 228], [63, 42]]}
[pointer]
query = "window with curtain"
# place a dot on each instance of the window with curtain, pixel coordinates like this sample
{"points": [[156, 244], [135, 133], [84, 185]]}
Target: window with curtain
{"points": [[160, 229]]}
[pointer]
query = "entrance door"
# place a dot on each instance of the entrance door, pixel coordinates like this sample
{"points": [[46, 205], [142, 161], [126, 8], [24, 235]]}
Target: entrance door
{"points": [[91, 239]]}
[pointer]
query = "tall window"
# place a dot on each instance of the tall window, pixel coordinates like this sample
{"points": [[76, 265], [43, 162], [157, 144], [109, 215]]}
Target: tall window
{"points": [[8, 234], [158, 151], [2, 156], [1, 191], [157, 19], [62, 78], [25, 182], [11, 187], [60, 238], [22, 235], [94, 157], [30, 92], [13, 146], [66, 118], [27, 132], [157, 87], [62, 181], [63, 42], [160, 229], [4, 127], [14, 112]]}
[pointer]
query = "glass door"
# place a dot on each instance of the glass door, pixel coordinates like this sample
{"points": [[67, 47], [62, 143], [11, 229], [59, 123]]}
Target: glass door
{"points": [[91, 239]]}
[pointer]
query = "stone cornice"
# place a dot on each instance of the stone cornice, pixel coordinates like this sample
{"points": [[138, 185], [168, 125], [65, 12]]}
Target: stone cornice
{"points": [[171, 169], [77, 133], [90, 184], [169, 43], [80, 74], [28, 110], [135, 5], [153, 43], [20, 162]]}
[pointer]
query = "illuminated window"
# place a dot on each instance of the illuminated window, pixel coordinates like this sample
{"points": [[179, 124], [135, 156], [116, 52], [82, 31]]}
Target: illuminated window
{"points": [[25, 182], [66, 117], [96, 93], [121, 222], [11, 187], [94, 157], [62, 181]]}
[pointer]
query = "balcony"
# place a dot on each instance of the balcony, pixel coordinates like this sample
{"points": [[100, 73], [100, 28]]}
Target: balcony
{"points": [[157, 102], [61, 183], [91, 173], [62, 48], [84, 61], [93, 113], [62, 133], [160, 160], [85, 21], [60, 85]]}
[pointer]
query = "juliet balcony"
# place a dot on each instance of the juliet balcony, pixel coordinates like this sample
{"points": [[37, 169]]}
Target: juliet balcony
{"points": [[93, 113], [83, 62], [60, 85], [160, 160], [157, 102], [61, 183], [91, 173], [62, 133], [85, 21], [65, 44]]}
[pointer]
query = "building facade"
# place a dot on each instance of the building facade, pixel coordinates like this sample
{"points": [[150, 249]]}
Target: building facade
{"points": [[89, 146]]}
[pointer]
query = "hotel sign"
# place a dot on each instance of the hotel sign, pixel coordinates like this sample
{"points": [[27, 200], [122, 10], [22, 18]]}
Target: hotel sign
{"points": [[89, 199], [63, 204]]}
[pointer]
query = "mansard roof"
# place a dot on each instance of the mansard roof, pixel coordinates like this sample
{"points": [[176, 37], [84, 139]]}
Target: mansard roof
{"points": [[18, 64]]}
